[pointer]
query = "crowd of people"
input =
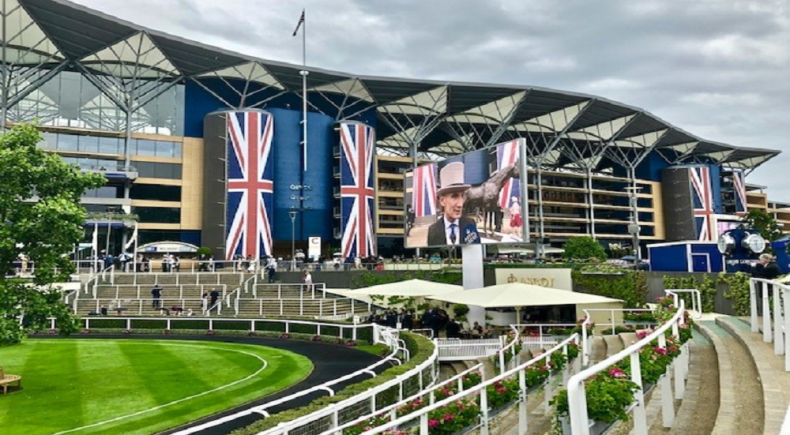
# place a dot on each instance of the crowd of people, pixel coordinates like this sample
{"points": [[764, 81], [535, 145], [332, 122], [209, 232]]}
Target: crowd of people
{"points": [[434, 319]]}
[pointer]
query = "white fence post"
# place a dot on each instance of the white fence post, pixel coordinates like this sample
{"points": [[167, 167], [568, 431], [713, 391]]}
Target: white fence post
{"points": [[766, 314], [753, 306], [779, 339]]}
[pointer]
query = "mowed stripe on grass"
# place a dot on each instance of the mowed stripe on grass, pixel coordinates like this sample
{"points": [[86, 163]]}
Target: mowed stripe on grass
{"points": [[136, 387]]}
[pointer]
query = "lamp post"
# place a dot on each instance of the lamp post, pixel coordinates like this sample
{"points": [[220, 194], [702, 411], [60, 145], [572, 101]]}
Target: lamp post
{"points": [[633, 227], [292, 214]]}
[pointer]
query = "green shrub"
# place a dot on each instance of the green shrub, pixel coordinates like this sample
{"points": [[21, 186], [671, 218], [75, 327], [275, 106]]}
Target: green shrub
{"points": [[582, 248]]}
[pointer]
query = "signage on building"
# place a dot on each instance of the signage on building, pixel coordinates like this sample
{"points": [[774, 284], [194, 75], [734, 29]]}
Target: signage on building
{"points": [[554, 278], [314, 248]]}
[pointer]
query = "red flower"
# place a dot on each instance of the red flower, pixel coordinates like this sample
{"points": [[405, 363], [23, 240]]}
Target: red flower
{"points": [[433, 423], [448, 417]]}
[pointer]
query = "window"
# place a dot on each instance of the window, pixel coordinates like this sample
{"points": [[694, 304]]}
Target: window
{"points": [[110, 145], [88, 144], [104, 192], [146, 147], [156, 192], [170, 171], [67, 142], [159, 215]]}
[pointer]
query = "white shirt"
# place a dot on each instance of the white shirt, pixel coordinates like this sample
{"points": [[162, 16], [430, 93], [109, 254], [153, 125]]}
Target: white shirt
{"points": [[447, 229]]}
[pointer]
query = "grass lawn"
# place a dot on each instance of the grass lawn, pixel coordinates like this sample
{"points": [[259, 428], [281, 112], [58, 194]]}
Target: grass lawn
{"points": [[135, 386]]}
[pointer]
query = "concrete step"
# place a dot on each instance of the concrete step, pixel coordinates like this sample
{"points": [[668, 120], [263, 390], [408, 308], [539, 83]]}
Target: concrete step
{"points": [[740, 393], [772, 378], [598, 352], [700, 406], [614, 344]]}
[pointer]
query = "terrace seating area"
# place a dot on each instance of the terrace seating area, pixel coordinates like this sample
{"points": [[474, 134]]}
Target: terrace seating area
{"points": [[239, 295]]}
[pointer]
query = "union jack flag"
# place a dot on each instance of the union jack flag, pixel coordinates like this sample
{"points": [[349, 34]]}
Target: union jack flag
{"points": [[702, 201], [250, 187], [356, 190], [739, 185], [507, 154], [424, 190]]}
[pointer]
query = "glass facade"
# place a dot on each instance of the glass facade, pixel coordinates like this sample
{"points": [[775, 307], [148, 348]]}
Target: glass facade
{"points": [[155, 192], [110, 145], [69, 99], [159, 215], [170, 171]]}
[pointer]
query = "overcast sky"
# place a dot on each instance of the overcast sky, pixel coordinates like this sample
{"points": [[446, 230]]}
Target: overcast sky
{"points": [[719, 69]]}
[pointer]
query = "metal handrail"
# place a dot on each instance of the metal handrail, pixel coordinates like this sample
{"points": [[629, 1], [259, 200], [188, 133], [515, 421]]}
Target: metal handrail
{"points": [[577, 398], [391, 409], [325, 387], [696, 299], [479, 389], [509, 347], [778, 330]]}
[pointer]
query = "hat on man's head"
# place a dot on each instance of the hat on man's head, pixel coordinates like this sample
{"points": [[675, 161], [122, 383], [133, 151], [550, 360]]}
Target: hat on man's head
{"points": [[451, 177]]}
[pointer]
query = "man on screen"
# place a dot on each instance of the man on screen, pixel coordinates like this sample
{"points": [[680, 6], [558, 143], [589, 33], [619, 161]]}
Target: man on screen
{"points": [[452, 228]]}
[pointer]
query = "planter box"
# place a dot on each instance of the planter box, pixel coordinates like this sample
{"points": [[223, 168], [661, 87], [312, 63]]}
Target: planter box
{"points": [[596, 427]]}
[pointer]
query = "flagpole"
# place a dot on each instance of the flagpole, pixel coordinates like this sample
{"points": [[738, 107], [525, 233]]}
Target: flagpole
{"points": [[304, 87]]}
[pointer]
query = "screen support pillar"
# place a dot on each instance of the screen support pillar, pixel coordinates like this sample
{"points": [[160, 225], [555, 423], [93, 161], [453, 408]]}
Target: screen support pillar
{"points": [[472, 268]]}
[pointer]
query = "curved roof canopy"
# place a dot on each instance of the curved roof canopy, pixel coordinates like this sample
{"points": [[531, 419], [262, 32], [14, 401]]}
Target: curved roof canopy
{"points": [[563, 129]]}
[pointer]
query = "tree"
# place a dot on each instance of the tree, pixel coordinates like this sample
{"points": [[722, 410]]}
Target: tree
{"points": [[764, 223], [40, 218], [582, 248]]}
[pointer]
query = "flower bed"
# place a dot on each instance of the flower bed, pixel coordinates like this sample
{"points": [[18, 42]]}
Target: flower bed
{"points": [[611, 392]]}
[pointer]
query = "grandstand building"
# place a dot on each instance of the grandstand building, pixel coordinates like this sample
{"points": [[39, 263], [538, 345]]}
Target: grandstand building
{"points": [[174, 125]]}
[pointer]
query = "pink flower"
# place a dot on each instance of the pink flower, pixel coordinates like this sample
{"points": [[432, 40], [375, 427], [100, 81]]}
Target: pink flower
{"points": [[448, 417], [501, 390], [660, 350], [433, 423], [616, 373], [642, 334]]}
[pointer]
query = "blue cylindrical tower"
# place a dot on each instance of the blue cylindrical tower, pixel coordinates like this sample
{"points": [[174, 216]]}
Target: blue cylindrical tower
{"points": [[317, 213], [287, 171]]}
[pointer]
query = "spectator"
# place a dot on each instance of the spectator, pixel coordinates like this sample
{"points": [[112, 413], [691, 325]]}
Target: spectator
{"points": [[190, 313], [214, 296], [766, 268], [204, 302], [308, 281], [271, 269], [156, 293], [453, 329], [477, 330]]}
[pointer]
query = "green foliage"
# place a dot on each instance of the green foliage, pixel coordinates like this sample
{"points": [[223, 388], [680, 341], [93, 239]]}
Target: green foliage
{"points": [[204, 250], [628, 285], [40, 217], [581, 248], [765, 224], [460, 310], [706, 287], [738, 291]]}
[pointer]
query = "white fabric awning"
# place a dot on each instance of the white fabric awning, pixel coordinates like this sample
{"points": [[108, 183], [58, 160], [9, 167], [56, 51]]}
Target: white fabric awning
{"points": [[520, 295], [410, 288]]}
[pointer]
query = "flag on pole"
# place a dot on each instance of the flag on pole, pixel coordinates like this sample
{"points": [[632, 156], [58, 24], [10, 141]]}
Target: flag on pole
{"points": [[132, 241], [299, 24]]}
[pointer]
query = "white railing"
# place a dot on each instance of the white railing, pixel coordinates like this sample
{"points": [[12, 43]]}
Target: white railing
{"points": [[538, 336], [183, 278], [509, 348], [283, 307], [456, 349], [776, 321], [140, 305], [316, 288], [287, 325], [363, 403], [696, 299], [304, 425], [391, 411], [577, 397], [420, 417], [137, 291]]}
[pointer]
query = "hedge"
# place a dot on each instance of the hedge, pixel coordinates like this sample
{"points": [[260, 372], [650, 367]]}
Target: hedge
{"points": [[420, 349]]}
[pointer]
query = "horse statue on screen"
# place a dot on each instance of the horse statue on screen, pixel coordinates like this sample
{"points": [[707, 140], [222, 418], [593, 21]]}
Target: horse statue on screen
{"points": [[483, 199]]}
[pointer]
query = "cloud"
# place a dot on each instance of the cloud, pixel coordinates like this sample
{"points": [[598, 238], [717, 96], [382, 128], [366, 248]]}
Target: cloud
{"points": [[717, 68]]}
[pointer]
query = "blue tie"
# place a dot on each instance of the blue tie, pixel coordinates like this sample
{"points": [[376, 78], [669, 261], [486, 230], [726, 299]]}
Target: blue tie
{"points": [[452, 234]]}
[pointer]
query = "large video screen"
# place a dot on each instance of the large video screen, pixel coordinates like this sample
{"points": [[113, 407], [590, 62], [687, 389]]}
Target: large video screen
{"points": [[473, 198]]}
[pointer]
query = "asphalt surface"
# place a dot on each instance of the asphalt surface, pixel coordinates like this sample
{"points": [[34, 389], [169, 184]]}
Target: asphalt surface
{"points": [[329, 362]]}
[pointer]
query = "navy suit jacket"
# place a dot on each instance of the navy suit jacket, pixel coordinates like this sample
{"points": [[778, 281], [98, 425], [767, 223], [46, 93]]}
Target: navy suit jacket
{"points": [[467, 230]]}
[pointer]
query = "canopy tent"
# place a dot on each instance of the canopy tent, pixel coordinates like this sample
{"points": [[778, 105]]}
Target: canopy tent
{"points": [[411, 288], [519, 295]]}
